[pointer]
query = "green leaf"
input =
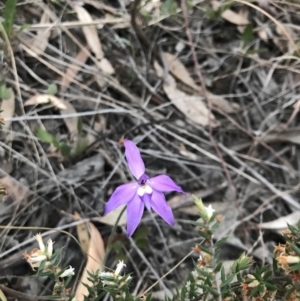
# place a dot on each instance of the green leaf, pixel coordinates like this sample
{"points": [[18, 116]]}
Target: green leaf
{"points": [[223, 275], [254, 291], [215, 225], [168, 7], [23, 27], [271, 286], [56, 257], [292, 229], [52, 89], [210, 12], [218, 267], [204, 273], [295, 267], [68, 280], [206, 235], [227, 281], [79, 126], [220, 243], [41, 267], [210, 290], [4, 92], [206, 250], [65, 149], [140, 238], [47, 137], [295, 249], [247, 35], [9, 16], [81, 145]]}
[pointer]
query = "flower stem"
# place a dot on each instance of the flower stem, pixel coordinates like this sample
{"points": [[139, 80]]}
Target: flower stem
{"points": [[109, 244]]}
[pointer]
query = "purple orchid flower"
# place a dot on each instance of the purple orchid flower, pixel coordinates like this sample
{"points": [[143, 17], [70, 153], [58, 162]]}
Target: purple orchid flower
{"points": [[145, 192]]}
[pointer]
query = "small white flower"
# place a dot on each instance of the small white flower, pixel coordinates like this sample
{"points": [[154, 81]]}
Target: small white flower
{"points": [[49, 247], [105, 278], [106, 274], [39, 239], [128, 278], [68, 272], [109, 283], [195, 274], [119, 268], [37, 258], [209, 211], [188, 285]]}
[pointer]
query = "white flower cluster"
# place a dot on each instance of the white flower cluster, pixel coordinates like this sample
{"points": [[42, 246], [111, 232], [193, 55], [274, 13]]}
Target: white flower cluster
{"points": [[110, 278], [68, 272], [209, 211], [36, 256], [44, 253]]}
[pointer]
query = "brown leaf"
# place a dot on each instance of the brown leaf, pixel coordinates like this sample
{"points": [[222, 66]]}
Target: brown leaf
{"points": [[17, 191], [66, 108], [93, 40], [231, 16], [2, 296], [106, 66], [281, 223], [96, 254], [290, 135], [45, 98], [8, 108], [192, 107], [101, 6], [181, 73], [72, 70], [111, 218], [177, 69], [90, 32], [82, 233], [40, 43], [71, 122]]}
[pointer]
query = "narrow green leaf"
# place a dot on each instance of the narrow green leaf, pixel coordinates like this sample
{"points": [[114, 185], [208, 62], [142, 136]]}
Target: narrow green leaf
{"points": [[247, 35], [4, 92], [223, 274], [210, 290], [218, 267], [168, 7], [295, 267], [254, 291], [65, 149], [204, 249], [271, 286], [9, 16], [227, 281], [56, 257], [79, 126], [47, 137], [221, 242], [295, 249], [52, 89]]}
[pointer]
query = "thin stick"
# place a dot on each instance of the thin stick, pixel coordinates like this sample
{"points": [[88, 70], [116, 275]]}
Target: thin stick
{"points": [[200, 76]]}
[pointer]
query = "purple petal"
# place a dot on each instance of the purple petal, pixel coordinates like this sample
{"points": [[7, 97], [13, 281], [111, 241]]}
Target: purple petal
{"points": [[161, 207], [135, 209], [134, 159], [122, 195], [163, 183], [146, 198]]}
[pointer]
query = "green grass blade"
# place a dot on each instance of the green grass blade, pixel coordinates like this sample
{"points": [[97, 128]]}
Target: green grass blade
{"points": [[9, 16]]}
